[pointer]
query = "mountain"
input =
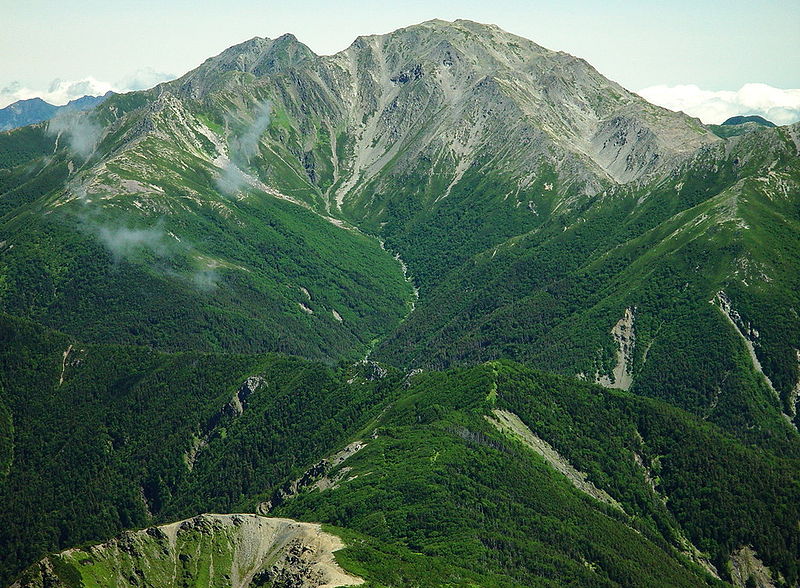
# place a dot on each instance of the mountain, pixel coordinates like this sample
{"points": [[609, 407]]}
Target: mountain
{"points": [[34, 110], [25, 112], [739, 125], [753, 118], [257, 551], [496, 474], [463, 207]]}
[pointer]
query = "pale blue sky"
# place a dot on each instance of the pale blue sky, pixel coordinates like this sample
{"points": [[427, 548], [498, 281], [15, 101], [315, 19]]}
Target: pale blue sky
{"points": [[717, 45]]}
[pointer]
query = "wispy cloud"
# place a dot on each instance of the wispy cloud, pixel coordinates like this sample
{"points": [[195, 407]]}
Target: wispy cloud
{"points": [[242, 147], [161, 250], [232, 179], [142, 79], [777, 105], [59, 92], [125, 242], [245, 146], [206, 279], [129, 243], [81, 132]]}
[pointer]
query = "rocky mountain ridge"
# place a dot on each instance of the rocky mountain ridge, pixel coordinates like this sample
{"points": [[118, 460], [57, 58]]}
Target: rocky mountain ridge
{"points": [[236, 550], [495, 90]]}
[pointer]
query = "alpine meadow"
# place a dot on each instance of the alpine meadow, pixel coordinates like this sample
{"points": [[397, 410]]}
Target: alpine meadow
{"points": [[445, 308]]}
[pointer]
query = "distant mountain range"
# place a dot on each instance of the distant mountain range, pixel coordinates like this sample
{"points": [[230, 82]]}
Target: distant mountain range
{"points": [[27, 112], [739, 125], [754, 118]]}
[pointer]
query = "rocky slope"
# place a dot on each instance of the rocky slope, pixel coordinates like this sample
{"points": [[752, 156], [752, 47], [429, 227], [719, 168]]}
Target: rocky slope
{"points": [[433, 103], [236, 551]]}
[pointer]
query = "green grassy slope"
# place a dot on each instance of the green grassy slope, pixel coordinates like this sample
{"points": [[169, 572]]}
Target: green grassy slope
{"points": [[132, 437], [176, 263]]}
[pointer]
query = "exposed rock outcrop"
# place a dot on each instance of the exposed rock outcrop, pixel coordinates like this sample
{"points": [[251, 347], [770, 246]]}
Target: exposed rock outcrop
{"points": [[624, 336], [510, 423], [317, 476], [747, 569], [232, 409], [237, 551]]}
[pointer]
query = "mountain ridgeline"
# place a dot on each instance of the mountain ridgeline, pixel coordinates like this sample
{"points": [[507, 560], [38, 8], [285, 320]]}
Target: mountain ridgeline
{"points": [[739, 125], [34, 110], [423, 221]]}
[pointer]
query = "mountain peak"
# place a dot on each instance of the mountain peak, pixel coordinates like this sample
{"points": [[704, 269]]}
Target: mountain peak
{"points": [[31, 101], [467, 35], [258, 56], [458, 23], [754, 118]]}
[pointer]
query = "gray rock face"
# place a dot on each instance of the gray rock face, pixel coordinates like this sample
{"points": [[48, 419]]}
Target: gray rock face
{"points": [[456, 93], [214, 550]]}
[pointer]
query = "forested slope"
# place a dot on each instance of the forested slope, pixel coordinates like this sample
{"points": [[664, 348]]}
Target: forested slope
{"points": [[131, 437]]}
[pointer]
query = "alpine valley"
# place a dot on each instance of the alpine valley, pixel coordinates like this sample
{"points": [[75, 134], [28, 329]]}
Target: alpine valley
{"points": [[446, 308]]}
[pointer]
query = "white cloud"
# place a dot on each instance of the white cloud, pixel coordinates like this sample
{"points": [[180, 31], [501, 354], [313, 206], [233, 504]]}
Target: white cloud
{"points": [[62, 91], [779, 106], [81, 131], [142, 79]]}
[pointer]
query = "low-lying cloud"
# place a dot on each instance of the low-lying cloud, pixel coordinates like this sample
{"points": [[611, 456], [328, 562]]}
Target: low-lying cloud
{"points": [[242, 147], [777, 105], [174, 257], [81, 132], [142, 79], [232, 179], [125, 242], [205, 279]]}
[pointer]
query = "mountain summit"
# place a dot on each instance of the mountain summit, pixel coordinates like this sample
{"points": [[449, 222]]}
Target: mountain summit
{"points": [[471, 89]]}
